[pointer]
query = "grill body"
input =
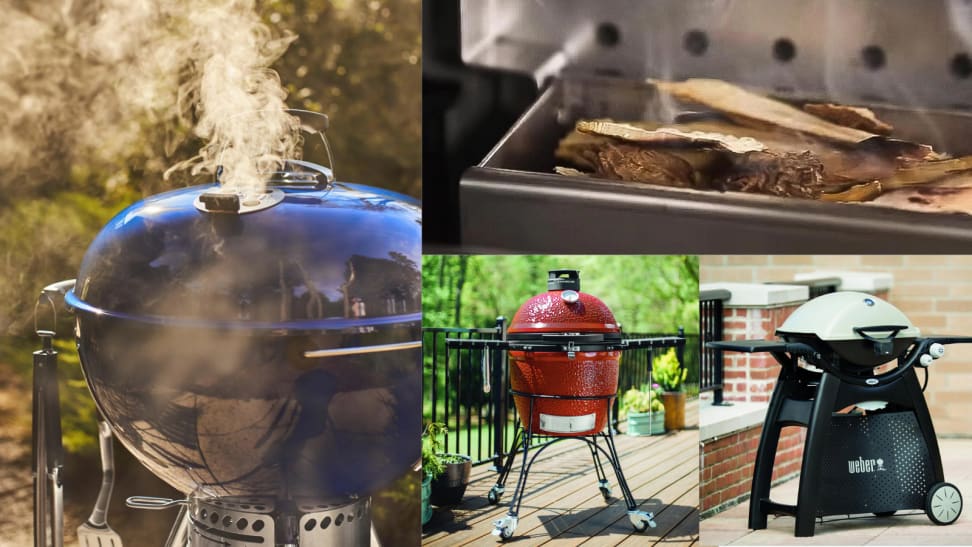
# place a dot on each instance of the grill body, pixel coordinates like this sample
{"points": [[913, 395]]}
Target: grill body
{"points": [[564, 393], [263, 353], [880, 456]]}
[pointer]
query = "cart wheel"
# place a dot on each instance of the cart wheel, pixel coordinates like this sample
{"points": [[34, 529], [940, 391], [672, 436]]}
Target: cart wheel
{"points": [[605, 490], [641, 520], [884, 513], [504, 527], [494, 494], [943, 503]]}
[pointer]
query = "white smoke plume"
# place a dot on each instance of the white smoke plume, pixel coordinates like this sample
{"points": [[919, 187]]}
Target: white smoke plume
{"points": [[84, 80]]}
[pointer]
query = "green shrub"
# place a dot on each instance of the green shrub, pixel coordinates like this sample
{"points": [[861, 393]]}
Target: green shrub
{"points": [[641, 400], [667, 372], [432, 463]]}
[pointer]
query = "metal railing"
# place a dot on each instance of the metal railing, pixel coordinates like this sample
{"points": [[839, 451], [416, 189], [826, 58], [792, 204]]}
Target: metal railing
{"points": [[711, 328], [469, 389], [456, 393]]}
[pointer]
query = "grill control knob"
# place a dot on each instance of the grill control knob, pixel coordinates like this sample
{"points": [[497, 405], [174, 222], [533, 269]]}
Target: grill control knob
{"points": [[926, 360], [936, 350]]}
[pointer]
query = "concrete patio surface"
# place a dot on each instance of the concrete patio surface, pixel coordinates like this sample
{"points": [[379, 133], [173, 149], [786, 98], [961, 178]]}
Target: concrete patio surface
{"points": [[730, 527]]}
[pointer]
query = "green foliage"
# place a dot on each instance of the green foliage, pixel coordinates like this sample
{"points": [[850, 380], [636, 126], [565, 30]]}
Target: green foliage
{"points": [[641, 400], [79, 421], [358, 62], [667, 372], [646, 293], [432, 463]]}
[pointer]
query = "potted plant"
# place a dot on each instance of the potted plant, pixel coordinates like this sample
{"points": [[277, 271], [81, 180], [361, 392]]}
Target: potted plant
{"points": [[645, 411], [449, 486], [670, 375], [431, 468]]}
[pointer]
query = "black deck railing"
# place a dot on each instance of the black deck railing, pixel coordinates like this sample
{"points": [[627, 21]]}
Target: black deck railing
{"points": [[455, 391], [481, 422], [711, 328]]}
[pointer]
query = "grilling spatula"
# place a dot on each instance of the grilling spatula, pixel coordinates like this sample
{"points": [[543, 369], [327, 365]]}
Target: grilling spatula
{"points": [[96, 532]]}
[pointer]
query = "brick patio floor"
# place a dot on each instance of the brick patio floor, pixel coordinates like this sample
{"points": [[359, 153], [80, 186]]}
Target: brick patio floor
{"points": [[729, 527]]}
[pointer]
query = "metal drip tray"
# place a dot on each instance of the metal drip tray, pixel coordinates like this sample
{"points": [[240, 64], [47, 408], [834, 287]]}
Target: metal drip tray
{"points": [[513, 201]]}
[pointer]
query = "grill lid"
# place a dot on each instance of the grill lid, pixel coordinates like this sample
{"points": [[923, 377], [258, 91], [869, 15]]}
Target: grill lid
{"points": [[848, 315], [345, 255], [563, 309]]}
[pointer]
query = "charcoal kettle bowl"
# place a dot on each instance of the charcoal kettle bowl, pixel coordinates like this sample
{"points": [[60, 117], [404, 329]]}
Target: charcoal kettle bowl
{"points": [[263, 353]]}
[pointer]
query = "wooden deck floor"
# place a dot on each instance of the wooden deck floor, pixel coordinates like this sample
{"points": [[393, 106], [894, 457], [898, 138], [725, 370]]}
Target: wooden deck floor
{"points": [[563, 505]]}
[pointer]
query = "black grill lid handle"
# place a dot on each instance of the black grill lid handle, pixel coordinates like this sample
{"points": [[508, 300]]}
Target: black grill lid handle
{"points": [[882, 346], [563, 280]]}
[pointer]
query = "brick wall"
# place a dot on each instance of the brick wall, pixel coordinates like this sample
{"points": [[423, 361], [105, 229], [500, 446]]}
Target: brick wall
{"points": [[727, 465], [751, 376], [934, 291]]}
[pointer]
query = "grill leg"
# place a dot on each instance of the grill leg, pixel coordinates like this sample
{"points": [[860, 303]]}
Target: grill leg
{"points": [[616, 464], [766, 456], [496, 492], [602, 482], [640, 520], [504, 527], [813, 453]]}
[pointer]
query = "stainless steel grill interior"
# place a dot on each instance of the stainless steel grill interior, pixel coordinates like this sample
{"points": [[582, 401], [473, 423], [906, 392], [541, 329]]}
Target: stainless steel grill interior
{"points": [[907, 61]]}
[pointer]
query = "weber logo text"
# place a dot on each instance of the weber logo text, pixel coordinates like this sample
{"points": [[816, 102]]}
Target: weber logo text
{"points": [[860, 465]]}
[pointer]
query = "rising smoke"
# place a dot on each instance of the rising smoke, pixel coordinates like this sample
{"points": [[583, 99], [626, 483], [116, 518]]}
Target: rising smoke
{"points": [[85, 79]]}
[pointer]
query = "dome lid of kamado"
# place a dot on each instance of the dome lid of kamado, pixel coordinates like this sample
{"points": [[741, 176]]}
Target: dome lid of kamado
{"points": [[563, 309]]}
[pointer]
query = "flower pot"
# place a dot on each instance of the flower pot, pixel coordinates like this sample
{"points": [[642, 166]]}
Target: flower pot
{"points": [[449, 487], [646, 423], [426, 504], [674, 402]]}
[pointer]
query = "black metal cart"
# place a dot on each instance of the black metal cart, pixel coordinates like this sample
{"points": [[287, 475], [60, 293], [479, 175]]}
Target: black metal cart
{"points": [[878, 461]]}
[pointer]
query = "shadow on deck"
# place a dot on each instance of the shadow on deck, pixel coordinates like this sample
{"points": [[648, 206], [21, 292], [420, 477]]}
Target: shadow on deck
{"points": [[563, 505]]}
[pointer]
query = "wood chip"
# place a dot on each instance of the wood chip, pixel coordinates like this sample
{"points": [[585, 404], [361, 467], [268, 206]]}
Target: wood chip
{"points": [[750, 108], [952, 194], [633, 163], [570, 172], [855, 117], [670, 136], [789, 175], [918, 174]]}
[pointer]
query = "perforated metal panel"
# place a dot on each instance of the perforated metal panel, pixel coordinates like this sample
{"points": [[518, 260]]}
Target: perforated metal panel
{"points": [[897, 51], [874, 463]]}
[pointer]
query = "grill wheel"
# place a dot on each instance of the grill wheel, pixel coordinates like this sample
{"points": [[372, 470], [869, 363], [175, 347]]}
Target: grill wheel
{"points": [[944, 503]]}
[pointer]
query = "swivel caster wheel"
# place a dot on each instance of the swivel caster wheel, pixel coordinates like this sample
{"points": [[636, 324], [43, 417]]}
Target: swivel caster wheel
{"points": [[943, 505], [605, 490], [504, 527], [494, 494], [641, 520]]}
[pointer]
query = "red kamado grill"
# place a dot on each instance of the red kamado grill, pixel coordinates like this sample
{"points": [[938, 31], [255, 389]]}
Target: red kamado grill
{"points": [[568, 388], [870, 446], [564, 348]]}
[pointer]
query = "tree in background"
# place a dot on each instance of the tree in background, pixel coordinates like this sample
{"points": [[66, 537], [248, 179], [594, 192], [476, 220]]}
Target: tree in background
{"points": [[357, 61], [646, 293]]}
